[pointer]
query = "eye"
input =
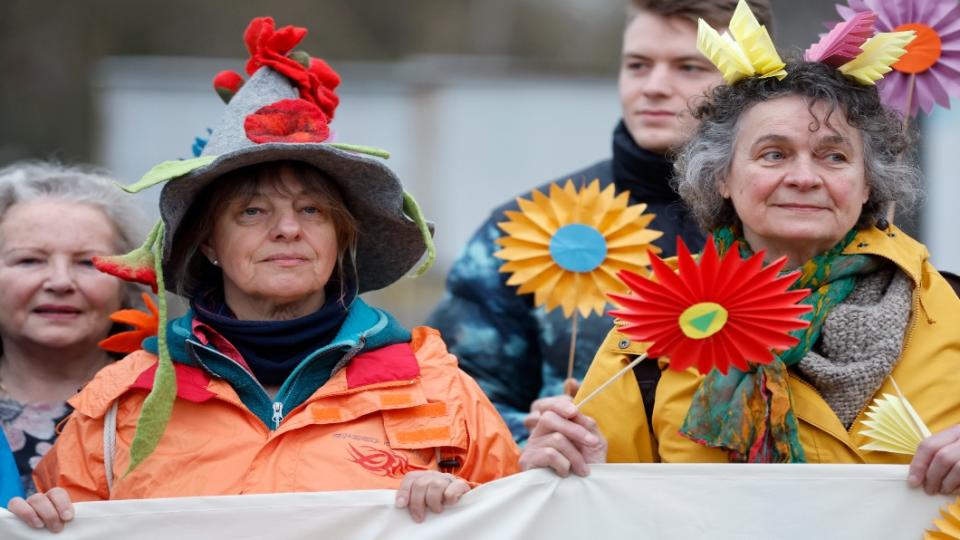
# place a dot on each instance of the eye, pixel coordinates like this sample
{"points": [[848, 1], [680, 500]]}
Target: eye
{"points": [[636, 65], [772, 155], [693, 68], [311, 210], [86, 262], [837, 157], [29, 261], [252, 211]]}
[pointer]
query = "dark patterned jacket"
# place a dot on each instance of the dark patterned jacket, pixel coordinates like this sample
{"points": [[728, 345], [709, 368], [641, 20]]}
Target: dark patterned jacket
{"points": [[517, 352]]}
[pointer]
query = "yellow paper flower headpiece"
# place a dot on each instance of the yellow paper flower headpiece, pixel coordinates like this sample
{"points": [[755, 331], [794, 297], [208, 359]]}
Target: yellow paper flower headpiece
{"points": [[567, 248], [748, 51]]}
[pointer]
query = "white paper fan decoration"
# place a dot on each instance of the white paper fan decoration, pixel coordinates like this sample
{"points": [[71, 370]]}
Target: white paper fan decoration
{"points": [[894, 426]]}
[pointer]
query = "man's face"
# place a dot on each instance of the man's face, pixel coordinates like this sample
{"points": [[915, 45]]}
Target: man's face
{"points": [[660, 71]]}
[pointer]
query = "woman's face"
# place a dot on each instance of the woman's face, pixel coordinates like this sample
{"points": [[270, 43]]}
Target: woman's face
{"points": [[277, 249], [796, 190], [50, 293]]}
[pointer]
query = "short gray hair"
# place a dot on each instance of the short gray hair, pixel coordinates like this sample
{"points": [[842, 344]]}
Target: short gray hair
{"points": [[890, 161], [27, 181]]}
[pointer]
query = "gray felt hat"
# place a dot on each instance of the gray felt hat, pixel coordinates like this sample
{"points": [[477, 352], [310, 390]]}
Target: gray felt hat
{"points": [[392, 233]]}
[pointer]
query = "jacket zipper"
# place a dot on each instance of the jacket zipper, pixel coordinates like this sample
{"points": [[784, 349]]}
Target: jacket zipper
{"points": [[277, 414], [912, 325], [277, 406], [906, 341]]}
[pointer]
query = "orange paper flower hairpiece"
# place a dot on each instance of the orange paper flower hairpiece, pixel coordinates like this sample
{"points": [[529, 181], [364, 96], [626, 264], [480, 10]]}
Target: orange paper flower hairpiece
{"points": [[724, 311], [144, 324]]}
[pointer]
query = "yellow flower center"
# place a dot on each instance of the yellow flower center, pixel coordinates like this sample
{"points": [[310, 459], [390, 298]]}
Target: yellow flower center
{"points": [[703, 320]]}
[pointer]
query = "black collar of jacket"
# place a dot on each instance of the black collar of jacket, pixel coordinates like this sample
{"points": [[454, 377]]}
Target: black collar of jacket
{"points": [[644, 173]]}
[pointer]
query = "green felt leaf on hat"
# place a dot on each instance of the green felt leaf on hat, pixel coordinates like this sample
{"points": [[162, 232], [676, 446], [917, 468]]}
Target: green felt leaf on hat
{"points": [[360, 149], [412, 209], [156, 410], [168, 170]]}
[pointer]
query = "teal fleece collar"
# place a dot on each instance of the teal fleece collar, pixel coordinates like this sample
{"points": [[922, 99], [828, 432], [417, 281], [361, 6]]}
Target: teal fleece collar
{"points": [[366, 328]]}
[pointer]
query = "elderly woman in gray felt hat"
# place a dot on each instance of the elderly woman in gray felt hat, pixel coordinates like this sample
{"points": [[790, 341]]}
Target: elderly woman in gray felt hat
{"points": [[279, 378]]}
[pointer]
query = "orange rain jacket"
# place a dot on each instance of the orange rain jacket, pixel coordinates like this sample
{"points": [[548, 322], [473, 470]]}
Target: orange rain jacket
{"points": [[398, 408]]}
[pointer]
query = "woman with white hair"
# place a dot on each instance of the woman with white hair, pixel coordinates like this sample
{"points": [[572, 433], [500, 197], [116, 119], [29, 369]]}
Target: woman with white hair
{"points": [[54, 305]]}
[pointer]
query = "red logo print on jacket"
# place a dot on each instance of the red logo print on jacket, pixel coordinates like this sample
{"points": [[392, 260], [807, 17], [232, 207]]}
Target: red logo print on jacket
{"points": [[382, 462]]}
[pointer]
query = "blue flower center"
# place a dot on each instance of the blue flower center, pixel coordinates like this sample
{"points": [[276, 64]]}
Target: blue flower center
{"points": [[578, 248]]}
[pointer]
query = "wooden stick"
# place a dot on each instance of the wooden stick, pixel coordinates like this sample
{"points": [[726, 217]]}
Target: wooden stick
{"points": [[892, 205], [912, 84], [609, 381], [896, 388], [573, 346]]}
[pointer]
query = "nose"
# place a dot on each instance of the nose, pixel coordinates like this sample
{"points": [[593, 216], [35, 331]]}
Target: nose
{"points": [[60, 277], [803, 175], [657, 83], [287, 226]]}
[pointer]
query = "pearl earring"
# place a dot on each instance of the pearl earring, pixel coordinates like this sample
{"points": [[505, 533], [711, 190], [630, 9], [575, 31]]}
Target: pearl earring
{"points": [[216, 262]]}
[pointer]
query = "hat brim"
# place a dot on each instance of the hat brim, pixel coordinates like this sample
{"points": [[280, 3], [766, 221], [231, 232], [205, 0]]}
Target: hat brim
{"points": [[389, 242]]}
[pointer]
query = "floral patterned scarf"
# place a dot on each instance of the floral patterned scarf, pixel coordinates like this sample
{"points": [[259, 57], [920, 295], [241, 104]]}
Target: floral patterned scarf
{"points": [[749, 413]]}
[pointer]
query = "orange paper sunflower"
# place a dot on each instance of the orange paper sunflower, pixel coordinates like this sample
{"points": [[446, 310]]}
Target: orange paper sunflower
{"points": [[567, 248], [719, 313]]}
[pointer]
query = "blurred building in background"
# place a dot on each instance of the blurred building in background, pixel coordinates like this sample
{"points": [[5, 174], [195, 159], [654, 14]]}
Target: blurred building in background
{"points": [[478, 100]]}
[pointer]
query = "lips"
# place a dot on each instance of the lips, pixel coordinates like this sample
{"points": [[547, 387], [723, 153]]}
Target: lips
{"points": [[286, 260], [285, 257], [801, 207], [657, 114], [57, 310]]}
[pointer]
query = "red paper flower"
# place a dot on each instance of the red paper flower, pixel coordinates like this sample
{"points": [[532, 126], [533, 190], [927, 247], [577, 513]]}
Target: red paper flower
{"points": [[287, 120], [226, 83], [271, 47], [719, 313], [144, 323], [136, 266]]}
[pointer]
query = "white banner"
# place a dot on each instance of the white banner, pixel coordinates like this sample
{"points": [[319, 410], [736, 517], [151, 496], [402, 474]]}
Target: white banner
{"points": [[661, 501]]}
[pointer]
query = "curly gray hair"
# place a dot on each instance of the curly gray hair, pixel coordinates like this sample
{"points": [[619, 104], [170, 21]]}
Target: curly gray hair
{"points": [[890, 163], [31, 180]]}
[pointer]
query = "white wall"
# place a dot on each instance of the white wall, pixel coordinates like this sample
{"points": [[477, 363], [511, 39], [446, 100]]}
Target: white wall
{"points": [[941, 217]]}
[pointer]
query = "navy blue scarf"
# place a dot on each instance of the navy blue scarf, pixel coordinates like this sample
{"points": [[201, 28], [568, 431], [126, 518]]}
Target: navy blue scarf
{"points": [[273, 349]]}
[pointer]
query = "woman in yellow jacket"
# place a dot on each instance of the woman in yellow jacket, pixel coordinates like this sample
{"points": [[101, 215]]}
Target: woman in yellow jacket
{"points": [[802, 168]]}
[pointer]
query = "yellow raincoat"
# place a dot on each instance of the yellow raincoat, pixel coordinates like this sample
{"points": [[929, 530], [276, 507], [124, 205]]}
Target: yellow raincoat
{"points": [[928, 373]]}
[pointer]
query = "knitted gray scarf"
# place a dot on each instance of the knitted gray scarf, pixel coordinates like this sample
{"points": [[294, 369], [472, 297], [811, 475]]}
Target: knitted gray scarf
{"points": [[861, 341]]}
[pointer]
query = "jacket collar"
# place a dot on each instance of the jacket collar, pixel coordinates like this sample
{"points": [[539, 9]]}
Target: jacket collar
{"points": [[645, 174], [366, 326], [894, 245]]}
